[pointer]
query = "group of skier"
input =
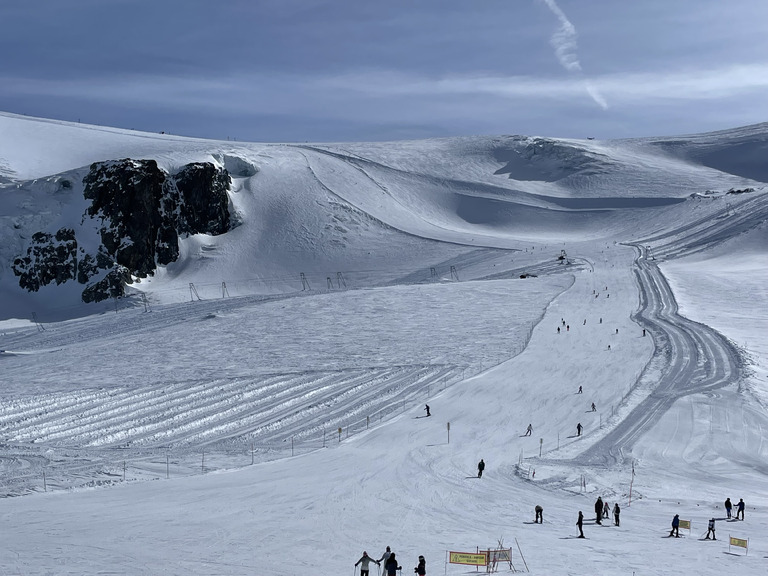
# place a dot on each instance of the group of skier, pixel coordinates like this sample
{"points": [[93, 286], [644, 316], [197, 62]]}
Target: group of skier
{"points": [[389, 561], [711, 524]]}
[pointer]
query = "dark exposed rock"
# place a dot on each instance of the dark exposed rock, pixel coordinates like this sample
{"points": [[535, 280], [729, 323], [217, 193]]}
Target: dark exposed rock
{"points": [[142, 211], [111, 286], [50, 258], [205, 204]]}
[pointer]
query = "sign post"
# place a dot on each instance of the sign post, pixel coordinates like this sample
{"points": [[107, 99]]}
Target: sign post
{"points": [[449, 432]]}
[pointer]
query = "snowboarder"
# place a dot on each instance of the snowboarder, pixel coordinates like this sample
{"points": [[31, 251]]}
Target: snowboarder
{"points": [[426, 407], [675, 527], [711, 528], [599, 510], [606, 510], [364, 561], [480, 468], [391, 567], [579, 392], [728, 507], [385, 557], [539, 515], [616, 512], [740, 509], [421, 569], [578, 429], [594, 408], [528, 430], [579, 522]]}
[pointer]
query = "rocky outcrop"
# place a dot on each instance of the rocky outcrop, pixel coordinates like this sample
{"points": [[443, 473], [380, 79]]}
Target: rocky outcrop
{"points": [[142, 211], [50, 258]]}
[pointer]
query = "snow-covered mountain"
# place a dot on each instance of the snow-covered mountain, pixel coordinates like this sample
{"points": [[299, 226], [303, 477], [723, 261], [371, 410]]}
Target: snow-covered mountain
{"points": [[287, 310]]}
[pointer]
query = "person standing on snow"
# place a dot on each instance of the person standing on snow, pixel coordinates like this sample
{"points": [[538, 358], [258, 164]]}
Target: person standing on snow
{"points": [[539, 515], [384, 557], [579, 522], [598, 510], [728, 507], [391, 567], [740, 509], [578, 429], [606, 510], [426, 407], [711, 528], [480, 468], [421, 569], [675, 526], [616, 512], [594, 408], [364, 561]]}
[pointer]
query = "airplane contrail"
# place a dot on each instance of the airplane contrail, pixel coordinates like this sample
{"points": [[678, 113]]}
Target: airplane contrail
{"points": [[564, 43]]}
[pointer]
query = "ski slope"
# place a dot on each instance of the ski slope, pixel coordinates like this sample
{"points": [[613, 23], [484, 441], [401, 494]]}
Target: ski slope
{"points": [[201, 436]]}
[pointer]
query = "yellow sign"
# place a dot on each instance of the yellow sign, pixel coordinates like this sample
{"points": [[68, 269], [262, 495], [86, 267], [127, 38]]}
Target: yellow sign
{"points": [[685, 524], [470, 558], [738, 542]]}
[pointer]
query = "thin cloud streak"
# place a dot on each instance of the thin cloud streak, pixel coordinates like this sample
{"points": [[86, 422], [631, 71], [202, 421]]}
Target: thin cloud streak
{"points": [[564, 43], [288, 93]]}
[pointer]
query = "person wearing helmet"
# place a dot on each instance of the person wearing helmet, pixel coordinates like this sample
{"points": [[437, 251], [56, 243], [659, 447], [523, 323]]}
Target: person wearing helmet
{"points": [[421, 569], [364, 561]]}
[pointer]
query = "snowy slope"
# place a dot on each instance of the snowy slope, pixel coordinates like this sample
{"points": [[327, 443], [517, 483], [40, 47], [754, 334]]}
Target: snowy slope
{"points": [[234, 401]]}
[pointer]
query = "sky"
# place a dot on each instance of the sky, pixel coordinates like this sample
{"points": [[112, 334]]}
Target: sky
{"points": [[337, 70]]}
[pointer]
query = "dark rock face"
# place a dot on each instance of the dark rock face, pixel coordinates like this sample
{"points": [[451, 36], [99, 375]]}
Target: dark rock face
{"points": [[50, 258], [142, 211], [205, 204]]}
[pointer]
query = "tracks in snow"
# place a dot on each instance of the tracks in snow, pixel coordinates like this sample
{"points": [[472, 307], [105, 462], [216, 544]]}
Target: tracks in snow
{"points": [[696, 359]]}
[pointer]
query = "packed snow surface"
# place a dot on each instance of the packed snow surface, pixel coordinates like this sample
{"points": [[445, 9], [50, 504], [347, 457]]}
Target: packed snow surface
{"points": [[259, 405]]}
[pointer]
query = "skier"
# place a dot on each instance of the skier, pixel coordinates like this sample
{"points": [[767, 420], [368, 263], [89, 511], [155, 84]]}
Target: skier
{"points": [[568, 328], [593, 407], [578, 429], [391, 567], [364, 561], [539, 515], [606, 510], [675, 526], [711, 528], [558, 329], [480, 468], [528, 430], [579, 392], [421, 569], [426, 407], [579, 522], [728, 507], [616, 512], [740, 509], [599, 510], [643, 331], [385, 557]]}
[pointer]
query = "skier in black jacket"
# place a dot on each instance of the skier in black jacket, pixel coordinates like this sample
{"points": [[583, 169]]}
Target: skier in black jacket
{"points": [[421, 569]]}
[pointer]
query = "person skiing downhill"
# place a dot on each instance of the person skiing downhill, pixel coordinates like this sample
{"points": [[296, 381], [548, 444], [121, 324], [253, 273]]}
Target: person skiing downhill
{"points": [[539, 515], [421, 569], [529, 430], [578, 429], [426, 407], [480, 468], [364, 561]]}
